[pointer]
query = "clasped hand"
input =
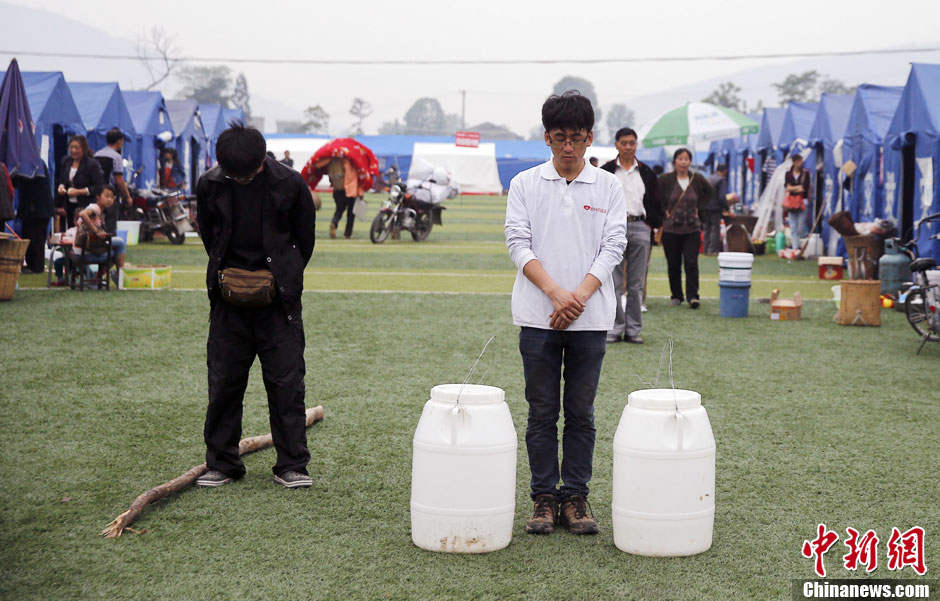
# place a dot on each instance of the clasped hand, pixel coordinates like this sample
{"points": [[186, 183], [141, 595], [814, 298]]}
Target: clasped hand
{"points": [[568, 306]]}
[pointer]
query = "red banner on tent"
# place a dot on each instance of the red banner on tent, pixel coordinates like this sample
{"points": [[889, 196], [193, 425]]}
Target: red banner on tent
{"points": [[468, 138]]}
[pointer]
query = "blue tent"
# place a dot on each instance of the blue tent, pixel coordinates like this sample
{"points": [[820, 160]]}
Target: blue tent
{"points": [[102, 107], [828, 129], [231, 115], [213, 121], [652, 156], [767, 143], [515, 156], [154, 131], [912, 155], [191, 141], [734, 153], [19, 149], [797, 123], [397, 150], [872, 111], [54, 113]]}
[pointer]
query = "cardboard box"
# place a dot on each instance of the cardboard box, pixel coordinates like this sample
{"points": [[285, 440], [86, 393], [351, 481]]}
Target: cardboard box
{"points": [[145, 277], [830, 268], [785, 309]]}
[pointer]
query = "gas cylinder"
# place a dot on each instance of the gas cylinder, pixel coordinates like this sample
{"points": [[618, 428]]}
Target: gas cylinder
{"points": [[894, 268]]}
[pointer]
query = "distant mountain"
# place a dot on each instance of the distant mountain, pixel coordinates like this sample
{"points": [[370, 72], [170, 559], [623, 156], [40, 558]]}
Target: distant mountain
{"points": [[20, 26], [756, 83]]}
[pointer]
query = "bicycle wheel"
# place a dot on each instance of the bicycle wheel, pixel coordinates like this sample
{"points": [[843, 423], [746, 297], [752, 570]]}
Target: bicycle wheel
{"points": [[920, 316]]}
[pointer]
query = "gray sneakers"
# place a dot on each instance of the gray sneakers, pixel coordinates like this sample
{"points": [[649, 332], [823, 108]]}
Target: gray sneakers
{"points": [[292, 479], [213, 478]]}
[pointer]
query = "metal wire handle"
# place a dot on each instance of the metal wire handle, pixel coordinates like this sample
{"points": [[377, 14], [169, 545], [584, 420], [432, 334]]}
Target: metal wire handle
{"points": [[472, 369]]}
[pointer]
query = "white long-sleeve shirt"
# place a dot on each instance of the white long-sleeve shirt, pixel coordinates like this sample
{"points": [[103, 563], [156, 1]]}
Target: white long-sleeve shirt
{"points": [[573, 230]]}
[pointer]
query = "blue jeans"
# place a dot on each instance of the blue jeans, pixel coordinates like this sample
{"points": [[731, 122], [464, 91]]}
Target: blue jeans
{"points": [[544, 352], [797, 227], [117, 249]]}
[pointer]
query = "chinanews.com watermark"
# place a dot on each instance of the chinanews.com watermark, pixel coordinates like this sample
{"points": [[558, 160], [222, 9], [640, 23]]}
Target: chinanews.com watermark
{"points": [[903, 551], [858, 588]]}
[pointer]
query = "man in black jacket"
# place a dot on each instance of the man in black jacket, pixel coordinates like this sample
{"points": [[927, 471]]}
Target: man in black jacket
{"points": [[644, 211], [255, 215]]}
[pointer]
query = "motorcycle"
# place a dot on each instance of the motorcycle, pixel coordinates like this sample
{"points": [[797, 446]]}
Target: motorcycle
{"points": [[162, 210], [403, 210]]}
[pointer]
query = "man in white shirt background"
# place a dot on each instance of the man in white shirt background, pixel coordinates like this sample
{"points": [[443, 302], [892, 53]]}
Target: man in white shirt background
{"points": [[565, 230], [644, 212]]}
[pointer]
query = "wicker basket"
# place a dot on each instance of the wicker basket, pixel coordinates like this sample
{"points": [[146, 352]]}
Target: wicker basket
{"points": [[12, 253]]}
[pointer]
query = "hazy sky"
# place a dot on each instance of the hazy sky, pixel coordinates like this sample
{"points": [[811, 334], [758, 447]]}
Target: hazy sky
{"points": [[484, 29]]}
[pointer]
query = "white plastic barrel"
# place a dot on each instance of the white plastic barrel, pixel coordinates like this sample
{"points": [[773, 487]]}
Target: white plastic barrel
{"points": [[133, 231], [735, 267], [663, 498], [463, 474]]}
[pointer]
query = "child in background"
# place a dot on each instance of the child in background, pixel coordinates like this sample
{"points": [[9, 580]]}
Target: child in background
{"points": [[90, 222]]}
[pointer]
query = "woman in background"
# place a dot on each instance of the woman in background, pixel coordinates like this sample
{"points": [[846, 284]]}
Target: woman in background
{"points": [[684, 195], [79, 179], [797, 185]]}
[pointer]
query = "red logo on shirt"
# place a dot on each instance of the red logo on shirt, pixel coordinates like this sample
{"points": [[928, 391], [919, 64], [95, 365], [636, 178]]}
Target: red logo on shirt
{"points": [[590, 208], [587, 207]]}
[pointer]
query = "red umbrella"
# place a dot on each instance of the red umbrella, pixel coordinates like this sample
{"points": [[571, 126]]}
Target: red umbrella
{"points": [[360, 157]]}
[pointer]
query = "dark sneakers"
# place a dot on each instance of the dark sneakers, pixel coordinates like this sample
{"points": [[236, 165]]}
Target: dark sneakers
{"points": [[213, 478], [575, 515], [292, 479], [545, 516]]}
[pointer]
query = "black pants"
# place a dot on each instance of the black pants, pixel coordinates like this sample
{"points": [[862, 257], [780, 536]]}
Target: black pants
{"points": [[35, 231], [547, 357], [344, 203], [682, 250], [712, 227], [236, 335]]}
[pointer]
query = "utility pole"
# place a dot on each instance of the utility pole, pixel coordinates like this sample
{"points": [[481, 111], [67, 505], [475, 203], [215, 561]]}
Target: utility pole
{"points": [[463, 109]]}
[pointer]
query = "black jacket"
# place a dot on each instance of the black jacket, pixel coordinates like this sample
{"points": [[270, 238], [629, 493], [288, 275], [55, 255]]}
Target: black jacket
{"points": [[651, 203], [35, 196], [88, 176], [703, 190], [288, 223]]}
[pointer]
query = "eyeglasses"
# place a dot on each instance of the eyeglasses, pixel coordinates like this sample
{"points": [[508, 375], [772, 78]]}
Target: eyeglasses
{"points": [[245, 179], [561, 140], [242, 180]]}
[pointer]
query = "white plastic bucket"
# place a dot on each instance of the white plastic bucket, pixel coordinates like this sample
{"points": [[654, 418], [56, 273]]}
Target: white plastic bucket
{"points": [[735, 267], [837, 294], [663, 498], [133, 231], [814, 247], [463, 474]]}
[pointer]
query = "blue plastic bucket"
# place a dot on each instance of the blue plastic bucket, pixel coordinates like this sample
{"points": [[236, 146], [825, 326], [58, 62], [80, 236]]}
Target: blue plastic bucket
{"points": [[734, 298]]}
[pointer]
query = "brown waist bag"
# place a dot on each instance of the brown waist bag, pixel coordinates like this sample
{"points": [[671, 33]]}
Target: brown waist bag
{"points": [[244, 288]]}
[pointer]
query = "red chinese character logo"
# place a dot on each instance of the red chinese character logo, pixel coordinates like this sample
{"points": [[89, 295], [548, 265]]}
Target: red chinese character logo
{"points": [[864, 551], [819, 546], [907, 549]]}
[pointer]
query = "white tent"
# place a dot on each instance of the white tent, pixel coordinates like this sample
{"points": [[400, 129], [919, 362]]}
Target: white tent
{"points": [[603, 153], [473, 168], [301, 148]]}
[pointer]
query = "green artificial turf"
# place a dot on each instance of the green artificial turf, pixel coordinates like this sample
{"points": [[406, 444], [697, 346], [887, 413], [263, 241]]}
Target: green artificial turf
{"points": [[103, 397]]}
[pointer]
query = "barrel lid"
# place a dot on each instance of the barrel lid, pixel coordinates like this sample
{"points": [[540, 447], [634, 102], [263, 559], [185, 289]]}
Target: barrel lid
{"points": [[738, 256], [471, 393], [665, 399]]}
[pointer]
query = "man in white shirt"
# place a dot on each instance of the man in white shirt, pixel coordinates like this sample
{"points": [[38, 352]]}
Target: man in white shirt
{"points": [[565, 230], [644, 212]]}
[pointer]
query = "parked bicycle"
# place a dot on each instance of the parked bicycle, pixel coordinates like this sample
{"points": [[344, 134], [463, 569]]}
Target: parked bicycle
{"points": [[922, 301]]}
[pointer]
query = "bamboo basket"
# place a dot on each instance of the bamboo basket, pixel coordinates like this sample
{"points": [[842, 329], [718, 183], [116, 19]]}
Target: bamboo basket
{"points": [[12, 253]]}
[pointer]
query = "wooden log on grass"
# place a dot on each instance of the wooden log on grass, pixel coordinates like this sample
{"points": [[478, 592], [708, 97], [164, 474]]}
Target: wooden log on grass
{"points": [[247, 445]]}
